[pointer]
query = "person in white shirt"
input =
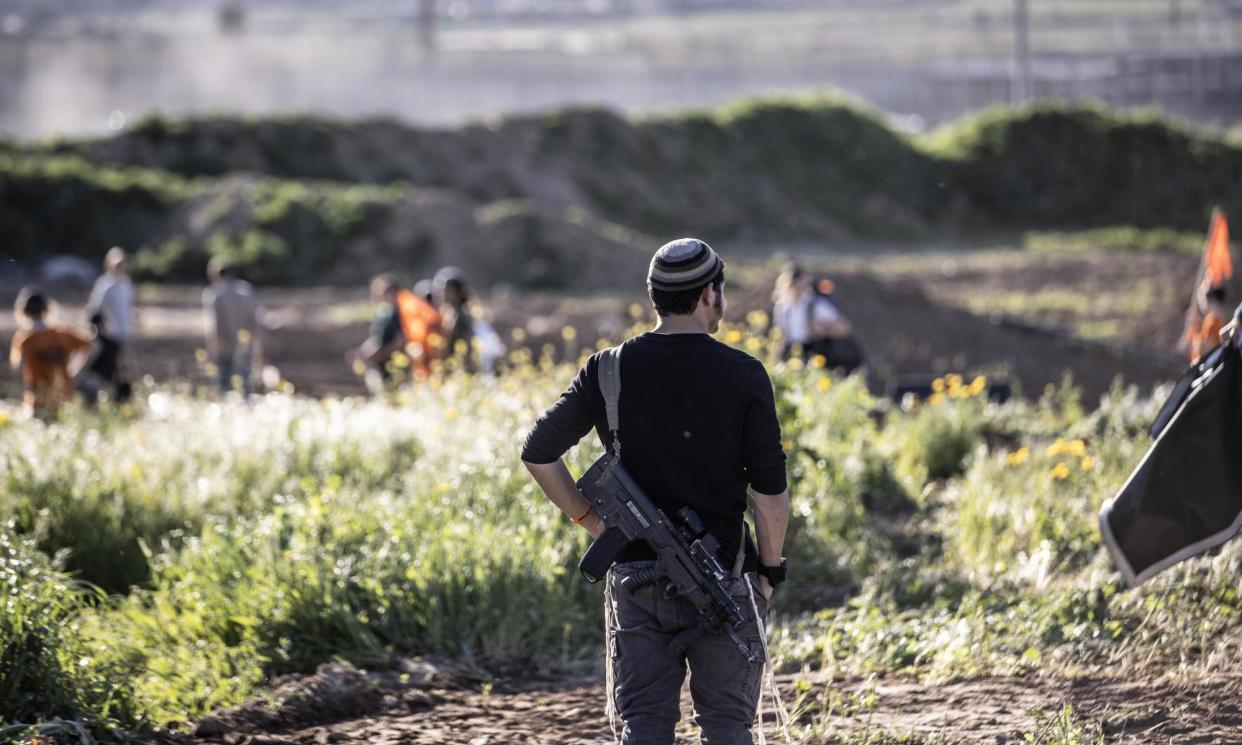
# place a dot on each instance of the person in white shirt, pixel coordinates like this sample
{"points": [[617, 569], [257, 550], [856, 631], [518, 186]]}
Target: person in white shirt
{"points": [[233, 320], [805, 315], [112, 298]]}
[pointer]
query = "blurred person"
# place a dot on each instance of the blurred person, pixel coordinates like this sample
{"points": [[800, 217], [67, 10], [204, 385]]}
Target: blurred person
{"points": [[102, 370], [812, 324], [490, 347], [47, 355], [386, 338], [697, 427], [458, 317], [1213, 317], [112, 297], [232, 319], [425, 290], [1206, 314], [421, 326]]}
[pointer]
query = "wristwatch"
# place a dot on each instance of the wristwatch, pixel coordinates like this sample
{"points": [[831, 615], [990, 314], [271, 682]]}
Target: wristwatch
{"points": [[776, 574]]}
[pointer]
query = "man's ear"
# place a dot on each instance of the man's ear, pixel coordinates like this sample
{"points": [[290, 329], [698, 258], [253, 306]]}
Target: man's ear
{"points": [[705, 296]]}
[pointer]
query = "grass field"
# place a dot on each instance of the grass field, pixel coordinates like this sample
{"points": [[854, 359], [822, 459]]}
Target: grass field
{"points": [[168, 558]]}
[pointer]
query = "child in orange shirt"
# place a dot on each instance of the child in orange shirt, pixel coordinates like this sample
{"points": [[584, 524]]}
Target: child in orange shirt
{"points": [[44, 353]]}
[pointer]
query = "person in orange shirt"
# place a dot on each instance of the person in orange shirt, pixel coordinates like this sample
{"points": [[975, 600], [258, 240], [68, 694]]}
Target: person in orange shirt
{"points": [[1215, 316], [45, 354]]}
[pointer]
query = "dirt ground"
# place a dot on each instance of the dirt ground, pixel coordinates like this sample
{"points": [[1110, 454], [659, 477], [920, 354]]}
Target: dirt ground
{"points": [[422, 703], [920, 317]]}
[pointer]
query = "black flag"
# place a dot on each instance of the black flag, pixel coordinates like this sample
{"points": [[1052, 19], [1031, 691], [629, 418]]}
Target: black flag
{"points": [[1185, 496]]}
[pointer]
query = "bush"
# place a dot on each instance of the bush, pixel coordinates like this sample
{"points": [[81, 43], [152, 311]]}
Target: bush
{"points": [[50, 681], [1083, 166]]}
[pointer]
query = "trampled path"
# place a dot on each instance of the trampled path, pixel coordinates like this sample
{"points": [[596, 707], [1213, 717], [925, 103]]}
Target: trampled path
{"points": [[340, 705]]}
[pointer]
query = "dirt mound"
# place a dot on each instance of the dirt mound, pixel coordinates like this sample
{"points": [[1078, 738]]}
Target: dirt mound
{"points": [[290, 233], [811, 168], [906, 333], [329, 200]]}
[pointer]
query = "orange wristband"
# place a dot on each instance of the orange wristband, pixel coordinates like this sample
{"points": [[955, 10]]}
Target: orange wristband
{"points": [[578, 520]]}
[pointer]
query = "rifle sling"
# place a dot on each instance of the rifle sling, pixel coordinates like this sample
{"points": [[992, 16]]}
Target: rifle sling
{"points": [[610, 386]]}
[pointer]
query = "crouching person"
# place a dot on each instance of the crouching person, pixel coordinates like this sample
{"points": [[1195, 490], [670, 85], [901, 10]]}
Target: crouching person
{"points": [[700, 430]]}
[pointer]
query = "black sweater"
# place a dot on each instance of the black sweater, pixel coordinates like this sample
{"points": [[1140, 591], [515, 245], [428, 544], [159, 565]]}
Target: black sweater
{"points": [[697, 422]]}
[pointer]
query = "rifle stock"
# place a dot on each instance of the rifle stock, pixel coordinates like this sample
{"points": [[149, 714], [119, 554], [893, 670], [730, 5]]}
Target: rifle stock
{"points": [[603, 551]]}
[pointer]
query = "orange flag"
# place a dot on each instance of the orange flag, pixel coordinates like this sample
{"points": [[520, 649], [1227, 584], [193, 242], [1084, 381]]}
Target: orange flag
{"points": [[1217, 263]]}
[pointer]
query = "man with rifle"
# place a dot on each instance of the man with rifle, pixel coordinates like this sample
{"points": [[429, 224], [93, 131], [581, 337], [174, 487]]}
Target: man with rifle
{"points": [[701, 441]]}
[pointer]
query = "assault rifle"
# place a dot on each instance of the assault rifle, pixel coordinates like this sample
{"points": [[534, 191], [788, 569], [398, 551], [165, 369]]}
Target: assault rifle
{"points": [[686, 564]]}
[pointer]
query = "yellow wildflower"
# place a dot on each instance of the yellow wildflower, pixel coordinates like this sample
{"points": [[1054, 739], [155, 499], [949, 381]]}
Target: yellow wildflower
{"points": [[1018, 457], [936, 399], [753, 345], [1076, 448], [518, 334], [569, 333], [733, 336], [1056, 448], [1060, 472], [938, 385], [978, 385], [200, 355], [795, 363], [1088, 463], [824, 384], [819, 361]]}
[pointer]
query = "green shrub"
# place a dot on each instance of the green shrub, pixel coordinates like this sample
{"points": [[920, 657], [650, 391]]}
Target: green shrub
{"points": [[50, 682], [1083, 166]]}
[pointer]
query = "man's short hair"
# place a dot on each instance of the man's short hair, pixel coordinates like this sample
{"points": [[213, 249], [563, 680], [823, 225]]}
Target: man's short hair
{"points": [[218, 266], [386, 282], [681, 302], [32, 303], [114, 258]]}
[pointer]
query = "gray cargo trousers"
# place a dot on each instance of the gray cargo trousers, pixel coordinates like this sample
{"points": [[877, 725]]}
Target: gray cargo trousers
{"points": [[647, 677]]}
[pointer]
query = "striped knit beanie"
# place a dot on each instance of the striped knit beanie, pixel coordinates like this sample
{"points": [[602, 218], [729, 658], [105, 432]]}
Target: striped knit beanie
{"points": [[683, 264]]}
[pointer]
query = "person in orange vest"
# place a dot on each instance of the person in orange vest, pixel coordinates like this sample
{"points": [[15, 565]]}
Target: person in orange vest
{"points": [[421, 326], [47, 355], [1215, 315]]}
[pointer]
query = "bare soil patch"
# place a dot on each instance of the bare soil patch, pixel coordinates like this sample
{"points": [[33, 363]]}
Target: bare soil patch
{"points": [[911, 323], [339, 704]]}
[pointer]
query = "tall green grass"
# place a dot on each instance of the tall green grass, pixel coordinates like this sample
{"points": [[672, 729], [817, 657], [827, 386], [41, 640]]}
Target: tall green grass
{"points": [[243, 542], [51, 680]]}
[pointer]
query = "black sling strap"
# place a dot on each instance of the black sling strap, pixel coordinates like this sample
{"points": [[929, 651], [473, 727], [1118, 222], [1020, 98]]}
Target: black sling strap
{"points": [[610, 385]]}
